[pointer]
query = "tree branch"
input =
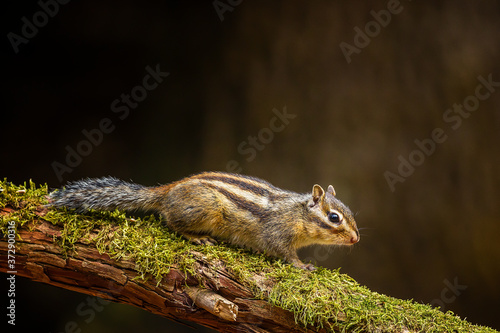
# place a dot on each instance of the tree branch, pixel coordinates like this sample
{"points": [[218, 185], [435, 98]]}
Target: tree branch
{"points": [[206, 285], [89, 272]]}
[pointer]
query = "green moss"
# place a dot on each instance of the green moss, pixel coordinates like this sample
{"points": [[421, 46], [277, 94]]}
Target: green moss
{"points": [[321, 298], [27, 198]]}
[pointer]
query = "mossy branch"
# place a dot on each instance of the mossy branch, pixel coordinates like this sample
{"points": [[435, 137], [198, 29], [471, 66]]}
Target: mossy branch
{"points": [[139, 262]]}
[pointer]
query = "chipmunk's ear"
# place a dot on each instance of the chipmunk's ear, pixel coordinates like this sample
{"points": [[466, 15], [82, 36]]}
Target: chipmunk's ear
{"points": [[331, 190], [317, 194]]}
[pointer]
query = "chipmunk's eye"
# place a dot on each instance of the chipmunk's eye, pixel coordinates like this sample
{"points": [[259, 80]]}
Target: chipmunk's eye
{"points": [[334, 217]]}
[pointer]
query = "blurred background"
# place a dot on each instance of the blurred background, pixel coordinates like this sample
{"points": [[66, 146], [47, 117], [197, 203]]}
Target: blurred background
{"points": [[294, 92]]}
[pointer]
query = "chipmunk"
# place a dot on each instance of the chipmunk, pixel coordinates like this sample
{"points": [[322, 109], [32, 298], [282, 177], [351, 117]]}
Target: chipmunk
{"points": [[241, 210]]}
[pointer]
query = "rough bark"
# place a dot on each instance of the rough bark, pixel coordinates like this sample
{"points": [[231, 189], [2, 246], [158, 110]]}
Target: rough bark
{"points": [[222, 303]]}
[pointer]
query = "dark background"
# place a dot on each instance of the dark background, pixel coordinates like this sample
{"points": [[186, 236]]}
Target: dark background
{"points": [[353, 122]]}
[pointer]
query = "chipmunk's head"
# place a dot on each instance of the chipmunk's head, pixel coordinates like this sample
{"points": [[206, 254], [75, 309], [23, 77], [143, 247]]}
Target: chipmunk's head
{"points": [[334, 221]]}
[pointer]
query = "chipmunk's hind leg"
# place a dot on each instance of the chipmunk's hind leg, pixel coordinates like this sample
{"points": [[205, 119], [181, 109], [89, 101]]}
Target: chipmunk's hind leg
{"points": [[200, 239]]}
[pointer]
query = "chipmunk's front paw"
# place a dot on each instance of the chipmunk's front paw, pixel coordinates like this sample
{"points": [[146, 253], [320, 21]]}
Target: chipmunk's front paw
{"points": [[307, 267], [203, 240]]}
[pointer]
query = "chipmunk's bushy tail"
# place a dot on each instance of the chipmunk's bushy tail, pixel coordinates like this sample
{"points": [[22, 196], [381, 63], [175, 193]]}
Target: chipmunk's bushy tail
{"points": [[106, 193]]}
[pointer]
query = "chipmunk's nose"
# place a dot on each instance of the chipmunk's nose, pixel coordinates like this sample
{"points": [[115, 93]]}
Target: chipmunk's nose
{"points": [[355, 238]]}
